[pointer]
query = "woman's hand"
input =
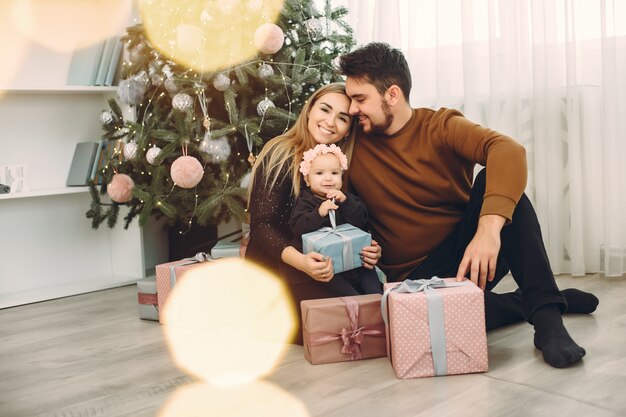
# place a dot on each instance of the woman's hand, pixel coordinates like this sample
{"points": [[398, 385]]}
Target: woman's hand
{"points": [[315, 265], [371, 254], [318, 266]]}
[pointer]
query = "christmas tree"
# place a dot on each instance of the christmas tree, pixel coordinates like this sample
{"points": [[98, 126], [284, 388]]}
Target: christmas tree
{"points": [[185, 149]]}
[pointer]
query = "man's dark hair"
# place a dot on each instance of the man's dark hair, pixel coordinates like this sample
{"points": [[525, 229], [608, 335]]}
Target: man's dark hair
{"points": [[380, 65]]}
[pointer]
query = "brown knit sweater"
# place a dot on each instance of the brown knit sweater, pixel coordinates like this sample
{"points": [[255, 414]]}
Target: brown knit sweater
{"points": [[416, 183]]}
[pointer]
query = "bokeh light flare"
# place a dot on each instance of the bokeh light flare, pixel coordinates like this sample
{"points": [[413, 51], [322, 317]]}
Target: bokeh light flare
{"points": [[255, 399], [67, 25], [228, 322], [206, 35]]}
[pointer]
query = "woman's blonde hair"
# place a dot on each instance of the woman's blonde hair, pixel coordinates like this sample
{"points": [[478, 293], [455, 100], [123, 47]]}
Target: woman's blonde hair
{"points": [[289, 147]]}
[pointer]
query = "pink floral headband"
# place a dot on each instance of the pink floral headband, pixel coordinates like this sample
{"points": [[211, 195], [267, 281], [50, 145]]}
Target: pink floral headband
{"points": [[322, 149]]}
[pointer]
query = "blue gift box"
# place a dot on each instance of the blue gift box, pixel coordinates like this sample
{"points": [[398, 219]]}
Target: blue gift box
{"points": [[226, 248], [342, 243]]}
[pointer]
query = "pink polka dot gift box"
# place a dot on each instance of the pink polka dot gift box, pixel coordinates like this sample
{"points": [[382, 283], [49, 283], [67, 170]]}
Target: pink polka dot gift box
{"points": [[435, 327]]}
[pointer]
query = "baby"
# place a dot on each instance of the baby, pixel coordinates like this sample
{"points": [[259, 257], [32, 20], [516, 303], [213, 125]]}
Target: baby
{"points": [[322, 168]]}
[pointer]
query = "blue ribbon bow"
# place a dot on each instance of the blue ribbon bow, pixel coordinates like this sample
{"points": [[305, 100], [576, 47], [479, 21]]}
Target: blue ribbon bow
{"points": [[436, 322]]}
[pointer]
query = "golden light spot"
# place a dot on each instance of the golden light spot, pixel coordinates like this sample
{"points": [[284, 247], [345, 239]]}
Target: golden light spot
{"points": [[250, 400], [207, 34], [67, 25], [228, 321], [12, 44]]}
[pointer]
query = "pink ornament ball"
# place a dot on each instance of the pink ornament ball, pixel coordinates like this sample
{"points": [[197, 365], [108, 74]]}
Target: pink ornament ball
{"points": [[269, 38], [186, 171], [120, 189]]}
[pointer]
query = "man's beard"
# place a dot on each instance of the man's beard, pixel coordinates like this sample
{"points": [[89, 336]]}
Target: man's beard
{"points": [[382, 127]]}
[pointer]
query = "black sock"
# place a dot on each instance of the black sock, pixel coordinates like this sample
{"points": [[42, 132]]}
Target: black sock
{"points": [[580, 302], [553, 340]]}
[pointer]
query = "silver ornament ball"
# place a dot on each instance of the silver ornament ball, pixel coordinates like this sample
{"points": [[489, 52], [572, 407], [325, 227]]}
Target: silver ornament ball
{"points": [[265, 71], [182, 101], [130, 150], [314, 26], [221, 82], [106, 118], [263, 105], [152, 154]]}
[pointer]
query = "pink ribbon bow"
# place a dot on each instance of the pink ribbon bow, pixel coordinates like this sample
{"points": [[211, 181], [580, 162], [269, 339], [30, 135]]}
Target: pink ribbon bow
{"points": [[351, 338]]}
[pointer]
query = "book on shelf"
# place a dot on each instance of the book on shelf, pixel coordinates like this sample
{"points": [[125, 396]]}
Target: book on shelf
{"points": [[106, 149], [82, 163], [113, 72], [105, 61], [84, 65]]}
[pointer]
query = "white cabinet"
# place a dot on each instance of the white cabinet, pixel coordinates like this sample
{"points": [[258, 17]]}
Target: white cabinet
{"points": [[47, 246]]}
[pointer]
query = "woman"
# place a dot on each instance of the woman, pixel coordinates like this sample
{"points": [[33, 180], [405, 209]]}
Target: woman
{"points": [[276, 183]]}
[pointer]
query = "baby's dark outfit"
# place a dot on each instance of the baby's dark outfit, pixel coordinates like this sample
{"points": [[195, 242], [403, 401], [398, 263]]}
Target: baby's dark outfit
{"points": [[305, 218]]}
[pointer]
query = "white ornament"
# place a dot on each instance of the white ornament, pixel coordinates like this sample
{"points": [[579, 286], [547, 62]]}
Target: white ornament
{"points": [[206, 17], [130, 150], [170, 86], [152, 154], [245, 180], [157, 79], [255, 5], [217, 149], [131, 91], [314, 26], [221, 82], [182, 101], [106, 118], [265, 71], [263, 105], [336, 62], [189, 38]]}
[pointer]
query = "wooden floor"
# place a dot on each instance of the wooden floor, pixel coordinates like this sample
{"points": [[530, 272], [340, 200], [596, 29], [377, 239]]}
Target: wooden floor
{"points": [[90, 355]]}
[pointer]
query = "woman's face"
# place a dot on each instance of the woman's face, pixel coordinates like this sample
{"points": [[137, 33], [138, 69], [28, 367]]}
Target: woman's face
{"points": [[329, 121]]}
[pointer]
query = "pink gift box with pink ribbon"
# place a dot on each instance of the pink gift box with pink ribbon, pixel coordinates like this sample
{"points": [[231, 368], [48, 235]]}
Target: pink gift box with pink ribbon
{"points": [[435, 327], [343, 329]]}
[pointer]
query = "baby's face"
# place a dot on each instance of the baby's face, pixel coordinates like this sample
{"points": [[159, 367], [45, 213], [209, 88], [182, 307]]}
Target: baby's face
{"points": [[325, 175]]}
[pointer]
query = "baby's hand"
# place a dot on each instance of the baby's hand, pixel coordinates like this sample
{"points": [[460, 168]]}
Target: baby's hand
{"points": [[339, 196], [325, 206]]}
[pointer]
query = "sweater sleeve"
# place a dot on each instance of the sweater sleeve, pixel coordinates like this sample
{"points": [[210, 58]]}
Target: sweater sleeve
{"points": [[305, 216], [504, 158], [354, 212], [269, 213]]}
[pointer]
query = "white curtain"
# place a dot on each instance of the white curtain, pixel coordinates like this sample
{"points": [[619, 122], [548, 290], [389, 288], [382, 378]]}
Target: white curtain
{"points": [[549, 73]]}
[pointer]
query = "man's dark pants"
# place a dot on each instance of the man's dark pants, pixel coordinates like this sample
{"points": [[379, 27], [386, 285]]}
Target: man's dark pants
{"points": [[522, 253]]}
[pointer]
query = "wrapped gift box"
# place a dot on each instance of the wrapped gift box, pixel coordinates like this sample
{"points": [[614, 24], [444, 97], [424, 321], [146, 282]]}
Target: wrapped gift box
{"points": [[147, 299], [435, 327], [169, 273], [343, 329], [342, 243], [228, 247]]}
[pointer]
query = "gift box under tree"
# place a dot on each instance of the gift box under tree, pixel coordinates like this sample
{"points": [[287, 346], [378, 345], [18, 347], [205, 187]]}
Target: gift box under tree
{"points": [[343, 329], [435, 327], [342, 243], [148, 299], [169, 273]]}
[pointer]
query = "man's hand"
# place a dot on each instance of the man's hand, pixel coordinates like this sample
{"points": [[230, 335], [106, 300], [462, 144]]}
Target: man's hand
{"points": [[481, 255]]}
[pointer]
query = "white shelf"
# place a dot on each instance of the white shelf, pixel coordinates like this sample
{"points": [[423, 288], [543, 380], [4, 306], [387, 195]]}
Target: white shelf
{"points": [[64, 89], [46, 192]]}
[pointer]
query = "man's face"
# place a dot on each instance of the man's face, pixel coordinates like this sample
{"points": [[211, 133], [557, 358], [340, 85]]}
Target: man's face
{"points": [[369, 105]]}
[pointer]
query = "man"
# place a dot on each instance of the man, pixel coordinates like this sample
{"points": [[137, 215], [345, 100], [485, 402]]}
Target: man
{"points": [[413, 168]]}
